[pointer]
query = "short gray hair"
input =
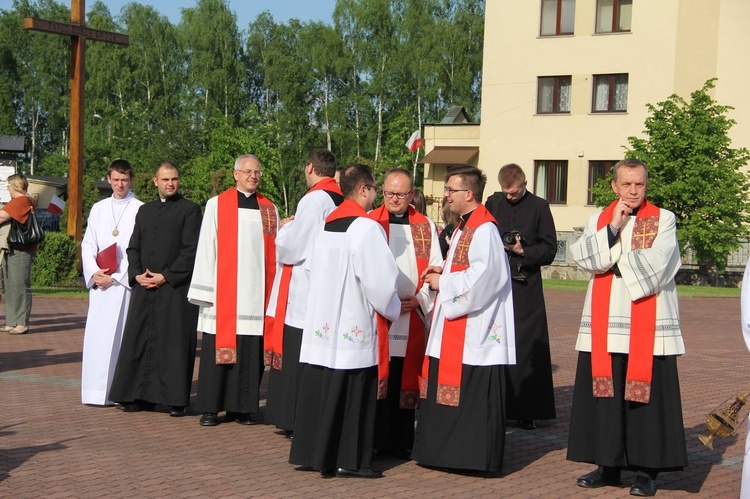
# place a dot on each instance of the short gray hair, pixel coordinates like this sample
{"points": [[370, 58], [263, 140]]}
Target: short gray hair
{"points": [[242, 158], [628, 163]]}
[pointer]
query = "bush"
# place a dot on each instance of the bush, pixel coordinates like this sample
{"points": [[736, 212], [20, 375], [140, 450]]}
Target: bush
{"points": [[55, 262]]}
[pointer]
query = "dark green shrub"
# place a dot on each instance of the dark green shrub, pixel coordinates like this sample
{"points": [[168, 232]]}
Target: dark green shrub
{"points": [[55, 262]]}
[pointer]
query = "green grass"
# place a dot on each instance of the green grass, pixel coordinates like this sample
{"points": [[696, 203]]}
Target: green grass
{"points": [[80, 293], [707, 291], [48, 292]]}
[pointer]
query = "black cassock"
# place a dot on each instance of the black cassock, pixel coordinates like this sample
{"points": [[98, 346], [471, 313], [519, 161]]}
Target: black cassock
{"points": [[529, 391], [158, 344]]}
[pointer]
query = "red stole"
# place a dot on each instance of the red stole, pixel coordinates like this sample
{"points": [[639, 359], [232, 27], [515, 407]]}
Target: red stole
{"points": [[421, 234], [454, 330], [227, 253], [347, 209], [274, 344], [642, 318]]}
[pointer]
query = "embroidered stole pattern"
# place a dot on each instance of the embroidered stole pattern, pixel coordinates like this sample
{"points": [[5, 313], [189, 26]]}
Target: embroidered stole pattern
{"points": [[226, 267], [642, 318]]}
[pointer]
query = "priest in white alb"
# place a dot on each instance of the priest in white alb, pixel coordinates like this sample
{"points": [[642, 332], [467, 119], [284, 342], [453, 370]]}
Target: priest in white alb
{"points": [[288, 301], [413, 240], [745, 318], [234, 270], [352, 297], [627, 410], [461, 418], [110, 223]]}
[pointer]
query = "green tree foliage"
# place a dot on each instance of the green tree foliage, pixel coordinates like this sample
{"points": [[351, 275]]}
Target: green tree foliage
{"points": [[695, 173], [203, 91], [225, 144], [212, 44], [55, 262]]}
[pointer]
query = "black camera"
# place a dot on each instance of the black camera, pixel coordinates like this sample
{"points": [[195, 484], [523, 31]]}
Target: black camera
{"points": [[509, 237]]}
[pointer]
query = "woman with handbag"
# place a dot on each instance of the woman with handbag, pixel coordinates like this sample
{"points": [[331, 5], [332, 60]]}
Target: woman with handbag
{"points": [[17, 270]]}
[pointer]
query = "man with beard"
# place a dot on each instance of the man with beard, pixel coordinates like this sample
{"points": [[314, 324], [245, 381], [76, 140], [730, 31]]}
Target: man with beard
{"points": [[158, 344], [461, 417], [351, 297]]}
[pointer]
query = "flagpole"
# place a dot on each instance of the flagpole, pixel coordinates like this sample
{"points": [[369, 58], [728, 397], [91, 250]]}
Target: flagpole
{"points": [[414, 164]]}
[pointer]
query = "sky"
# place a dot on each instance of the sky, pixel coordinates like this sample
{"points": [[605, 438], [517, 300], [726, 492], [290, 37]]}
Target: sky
{"points": [[246, 10]]}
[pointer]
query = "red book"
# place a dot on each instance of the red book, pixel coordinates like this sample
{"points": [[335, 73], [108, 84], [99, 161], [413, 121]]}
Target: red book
{"points": [[107, 259]]}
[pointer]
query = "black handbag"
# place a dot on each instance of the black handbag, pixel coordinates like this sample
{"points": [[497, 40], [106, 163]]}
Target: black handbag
{"points": [[24, 236]]}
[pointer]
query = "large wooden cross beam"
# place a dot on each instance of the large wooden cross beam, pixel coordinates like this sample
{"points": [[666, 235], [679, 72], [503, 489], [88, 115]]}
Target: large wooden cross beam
{"points": [[78, 33]]}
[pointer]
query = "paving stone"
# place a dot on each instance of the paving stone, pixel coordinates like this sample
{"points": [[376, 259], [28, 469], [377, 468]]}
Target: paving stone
{"points": [[53, 446]]}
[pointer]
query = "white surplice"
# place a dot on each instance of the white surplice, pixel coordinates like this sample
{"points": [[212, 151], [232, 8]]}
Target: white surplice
{"points": [[483, 293], [352, 276], [745, 317], [402, 246], [644, 272], [293, 243], [107, 308], [251, 271]]}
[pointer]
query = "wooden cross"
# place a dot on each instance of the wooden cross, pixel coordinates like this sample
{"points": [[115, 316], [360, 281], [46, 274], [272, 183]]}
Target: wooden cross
{"points": [[78, 33]]}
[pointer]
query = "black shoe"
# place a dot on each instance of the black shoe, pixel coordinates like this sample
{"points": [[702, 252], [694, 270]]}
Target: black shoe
{"points": [[598, 478], [209, 419], [240, 417], [328, 474], [360, 473], [526, 424], [130, 407], [177, 411], [643, 486]]}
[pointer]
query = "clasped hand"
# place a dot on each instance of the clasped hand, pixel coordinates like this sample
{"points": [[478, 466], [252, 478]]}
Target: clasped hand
{"points": [[150, 280], [431, 276]]}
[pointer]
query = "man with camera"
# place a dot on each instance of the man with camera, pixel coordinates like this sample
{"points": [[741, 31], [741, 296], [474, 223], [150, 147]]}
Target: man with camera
{"points": [[528, 233]]}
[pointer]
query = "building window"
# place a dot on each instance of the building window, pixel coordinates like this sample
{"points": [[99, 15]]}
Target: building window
{"points": [[610, 93], [598, 170], [558, 17], [553, 95], [613, 16], [551, 181], [562, 249]]}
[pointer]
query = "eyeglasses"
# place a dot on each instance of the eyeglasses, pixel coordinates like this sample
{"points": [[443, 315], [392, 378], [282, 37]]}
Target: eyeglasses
{"points": [[251, 173], [399, 195], [373, 187], [450, 191]]}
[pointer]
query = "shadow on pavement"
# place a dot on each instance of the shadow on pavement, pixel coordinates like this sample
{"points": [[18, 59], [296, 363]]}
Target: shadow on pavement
{"points": [[29, 359], [13, 458]]}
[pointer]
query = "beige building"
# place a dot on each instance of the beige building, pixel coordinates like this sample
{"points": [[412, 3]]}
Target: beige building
{"points": [[565, 82]]}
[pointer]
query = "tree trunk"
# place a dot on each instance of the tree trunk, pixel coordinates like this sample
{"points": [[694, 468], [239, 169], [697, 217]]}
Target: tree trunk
{"points": [[34, 125], [328, 121], [380, 127]]}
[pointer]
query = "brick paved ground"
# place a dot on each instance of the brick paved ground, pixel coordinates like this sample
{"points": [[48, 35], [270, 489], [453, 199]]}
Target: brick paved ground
{"points": [[52, 446]]}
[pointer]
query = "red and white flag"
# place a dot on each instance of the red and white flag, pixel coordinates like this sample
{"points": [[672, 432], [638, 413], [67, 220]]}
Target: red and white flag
{"points": [[415, 141], [56, 206]]}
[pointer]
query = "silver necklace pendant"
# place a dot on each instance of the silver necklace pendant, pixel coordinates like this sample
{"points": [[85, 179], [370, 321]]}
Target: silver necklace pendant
{"points": [[115, 232]]}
